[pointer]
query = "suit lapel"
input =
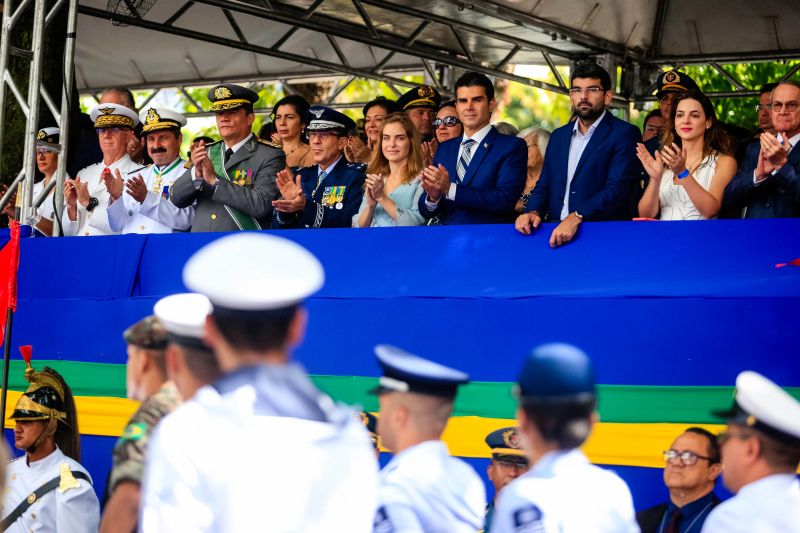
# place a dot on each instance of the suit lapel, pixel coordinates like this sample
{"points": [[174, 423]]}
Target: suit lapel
{"points": [[241, 154], [603, 129], [479, 153], [794, 155]]}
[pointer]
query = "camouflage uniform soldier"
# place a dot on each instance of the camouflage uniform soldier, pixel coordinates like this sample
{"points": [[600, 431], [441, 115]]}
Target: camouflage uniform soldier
{"points": [[146, 382]]}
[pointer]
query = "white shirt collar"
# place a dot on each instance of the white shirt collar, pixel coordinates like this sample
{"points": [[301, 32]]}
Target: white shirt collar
{"points": [[792, 140], [479, 135], [591, 129], [124, 160], [238, 145], [328, 170]]}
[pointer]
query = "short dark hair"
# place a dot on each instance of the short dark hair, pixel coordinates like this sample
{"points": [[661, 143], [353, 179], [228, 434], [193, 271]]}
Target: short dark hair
{"points": [[767, 88], [713, 443], [594, 71], [300, 105], [258, 331], [125, 92], [476, 79], [653, 113], [202, 364], [449, 103], [566, 424], [389, 105]]}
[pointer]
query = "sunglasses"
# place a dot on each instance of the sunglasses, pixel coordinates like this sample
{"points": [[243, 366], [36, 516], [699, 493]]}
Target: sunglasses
{"points": [[446, 121]]}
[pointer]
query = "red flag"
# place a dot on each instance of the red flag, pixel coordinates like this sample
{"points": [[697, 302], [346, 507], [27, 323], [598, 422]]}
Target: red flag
{"points": [[9, 262]]}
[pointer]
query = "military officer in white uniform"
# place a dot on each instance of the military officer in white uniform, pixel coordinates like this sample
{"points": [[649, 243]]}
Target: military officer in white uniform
{"points": [[47, 489], [261, 449], [87, 196], [562, 491], [423, 488], [760, 455], [140, 203]]}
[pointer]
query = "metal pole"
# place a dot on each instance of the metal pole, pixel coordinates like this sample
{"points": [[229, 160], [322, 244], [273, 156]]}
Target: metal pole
{"points": [[6, 363], [35, 79], [66, 107], [4, 44]]}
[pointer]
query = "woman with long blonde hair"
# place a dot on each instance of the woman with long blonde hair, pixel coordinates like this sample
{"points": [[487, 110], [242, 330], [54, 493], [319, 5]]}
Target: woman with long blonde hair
{"points": [[393, 185]]}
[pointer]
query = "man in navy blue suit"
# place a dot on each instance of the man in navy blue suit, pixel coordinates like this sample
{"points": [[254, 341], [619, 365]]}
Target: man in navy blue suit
{"points": [[768, 184], [590, 166], [328, 193], [476, 178]]}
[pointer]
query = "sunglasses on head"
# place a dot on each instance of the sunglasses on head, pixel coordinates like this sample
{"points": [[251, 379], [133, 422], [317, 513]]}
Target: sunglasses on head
{"points": [[446, 121]]}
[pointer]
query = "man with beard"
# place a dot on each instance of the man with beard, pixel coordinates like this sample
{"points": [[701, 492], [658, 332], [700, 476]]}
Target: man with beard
{"points": [[86, 196], [590, 166], [140, 203], [232, 182], [475, 178]]}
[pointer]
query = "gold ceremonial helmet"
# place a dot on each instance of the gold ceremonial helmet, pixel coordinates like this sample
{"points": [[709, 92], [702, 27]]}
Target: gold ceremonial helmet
{"points": [[44, 399]]}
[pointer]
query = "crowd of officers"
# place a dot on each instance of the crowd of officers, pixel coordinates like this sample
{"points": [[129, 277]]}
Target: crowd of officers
{"points": [[420, 160], [232, 435]]}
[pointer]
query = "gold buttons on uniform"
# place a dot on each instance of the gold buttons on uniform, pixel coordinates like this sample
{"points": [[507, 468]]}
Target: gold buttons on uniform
{"points": [[213, 216], [141, 228], [32, 498]]}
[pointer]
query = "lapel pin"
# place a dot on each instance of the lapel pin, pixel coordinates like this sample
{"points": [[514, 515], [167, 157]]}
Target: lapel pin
{"points": [[486, 145]]}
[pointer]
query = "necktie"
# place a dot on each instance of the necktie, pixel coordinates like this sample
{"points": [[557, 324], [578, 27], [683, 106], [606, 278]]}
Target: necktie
{"points": [[674, 525], [228, 154], [466, 157], [321, 177]]}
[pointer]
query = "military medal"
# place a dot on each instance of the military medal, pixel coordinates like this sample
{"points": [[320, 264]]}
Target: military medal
{"points": [[339, 205]]}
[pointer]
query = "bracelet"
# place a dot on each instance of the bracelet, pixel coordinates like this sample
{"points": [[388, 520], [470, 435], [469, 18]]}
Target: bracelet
{"points": [[683, 174]]}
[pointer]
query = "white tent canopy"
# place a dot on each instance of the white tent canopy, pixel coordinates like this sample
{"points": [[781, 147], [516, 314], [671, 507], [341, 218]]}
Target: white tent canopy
{"points": [[178, 42]]}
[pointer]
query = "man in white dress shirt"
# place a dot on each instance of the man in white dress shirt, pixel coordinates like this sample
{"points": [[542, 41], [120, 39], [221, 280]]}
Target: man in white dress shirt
{"points": [[261, 449], [562, 491], [760, 456], [423, 488], [47, 489], [140, 203], [86, 196]]}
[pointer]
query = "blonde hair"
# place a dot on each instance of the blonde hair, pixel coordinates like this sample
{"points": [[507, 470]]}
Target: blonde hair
{"points": [[378, 164]]}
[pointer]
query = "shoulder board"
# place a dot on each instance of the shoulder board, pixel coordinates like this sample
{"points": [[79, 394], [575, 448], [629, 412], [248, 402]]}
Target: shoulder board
{"points": [[138, 169], [270, 144]]}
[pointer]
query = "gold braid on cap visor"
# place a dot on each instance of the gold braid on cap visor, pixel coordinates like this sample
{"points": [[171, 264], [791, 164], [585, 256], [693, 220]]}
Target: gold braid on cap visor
{"points": [[110, 121], [165, 125], [222, 105], [37, 381]]}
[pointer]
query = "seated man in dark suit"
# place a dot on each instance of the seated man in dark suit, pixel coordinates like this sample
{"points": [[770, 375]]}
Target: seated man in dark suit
{"points": [[693, 466], [590, 165], [478, 177], [768, 183], [329, 193]]}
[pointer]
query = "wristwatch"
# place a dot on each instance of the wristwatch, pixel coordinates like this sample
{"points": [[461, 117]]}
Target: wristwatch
{"points": [[92, 203], [683, 174], [578, 215]]}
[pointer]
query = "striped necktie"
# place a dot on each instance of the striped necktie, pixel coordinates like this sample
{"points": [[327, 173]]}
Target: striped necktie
{"points": [[321, 177], [466, 157]]}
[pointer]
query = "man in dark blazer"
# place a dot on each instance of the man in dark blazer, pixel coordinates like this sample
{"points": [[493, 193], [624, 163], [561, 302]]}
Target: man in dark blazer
{"points": [[328, 193], [768, 184], [590, 166], [232, 182], [691, 471], [476, 178]]}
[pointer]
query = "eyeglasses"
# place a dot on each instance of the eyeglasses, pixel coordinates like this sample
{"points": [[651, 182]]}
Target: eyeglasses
{"points": [[446, 121], [589, 90], [762, 107], [778, 106], [321, 134], [687, 458], [512, 465], [100, 131]]}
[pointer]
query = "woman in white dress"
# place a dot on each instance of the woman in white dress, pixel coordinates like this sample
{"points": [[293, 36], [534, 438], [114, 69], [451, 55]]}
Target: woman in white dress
{"points": [[688, 175]]}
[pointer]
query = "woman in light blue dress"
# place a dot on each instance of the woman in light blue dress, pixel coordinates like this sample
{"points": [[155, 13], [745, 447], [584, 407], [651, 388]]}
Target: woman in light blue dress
{"points": [[393, 185]]}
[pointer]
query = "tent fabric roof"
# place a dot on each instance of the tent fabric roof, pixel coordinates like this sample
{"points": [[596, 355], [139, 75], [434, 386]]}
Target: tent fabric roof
{"points": [[205, 41]]}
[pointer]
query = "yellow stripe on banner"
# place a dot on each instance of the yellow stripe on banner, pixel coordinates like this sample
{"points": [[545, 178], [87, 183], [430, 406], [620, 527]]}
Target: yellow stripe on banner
{"points": [[96, 415], [610, 443]]}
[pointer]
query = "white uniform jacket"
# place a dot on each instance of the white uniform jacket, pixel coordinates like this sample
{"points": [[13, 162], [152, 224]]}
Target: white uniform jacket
{"points": [[232, 460], [564, 492], [156, 214], [74, 510], [95, 222], [769, 505], [423, 488]]}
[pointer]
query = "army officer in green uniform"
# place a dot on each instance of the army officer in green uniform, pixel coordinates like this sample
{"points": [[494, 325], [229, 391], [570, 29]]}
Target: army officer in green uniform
{"points": [[231, 183]]}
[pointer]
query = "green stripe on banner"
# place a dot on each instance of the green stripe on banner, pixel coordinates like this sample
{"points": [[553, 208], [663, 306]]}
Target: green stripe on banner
{"points": [[618, 403]]}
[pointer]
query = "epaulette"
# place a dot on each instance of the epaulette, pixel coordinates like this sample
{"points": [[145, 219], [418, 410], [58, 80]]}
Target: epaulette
{"points": [[137, 170], [270, 144]]}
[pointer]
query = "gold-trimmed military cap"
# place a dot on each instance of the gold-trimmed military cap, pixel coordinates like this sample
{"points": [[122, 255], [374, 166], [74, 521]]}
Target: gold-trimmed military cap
{"points": [[48, 139], [422, 96], [161, 118], [674, 81], [505, 445], [229, 96], [44, 399], [321, 118], [149, 333], [113, 116]]}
